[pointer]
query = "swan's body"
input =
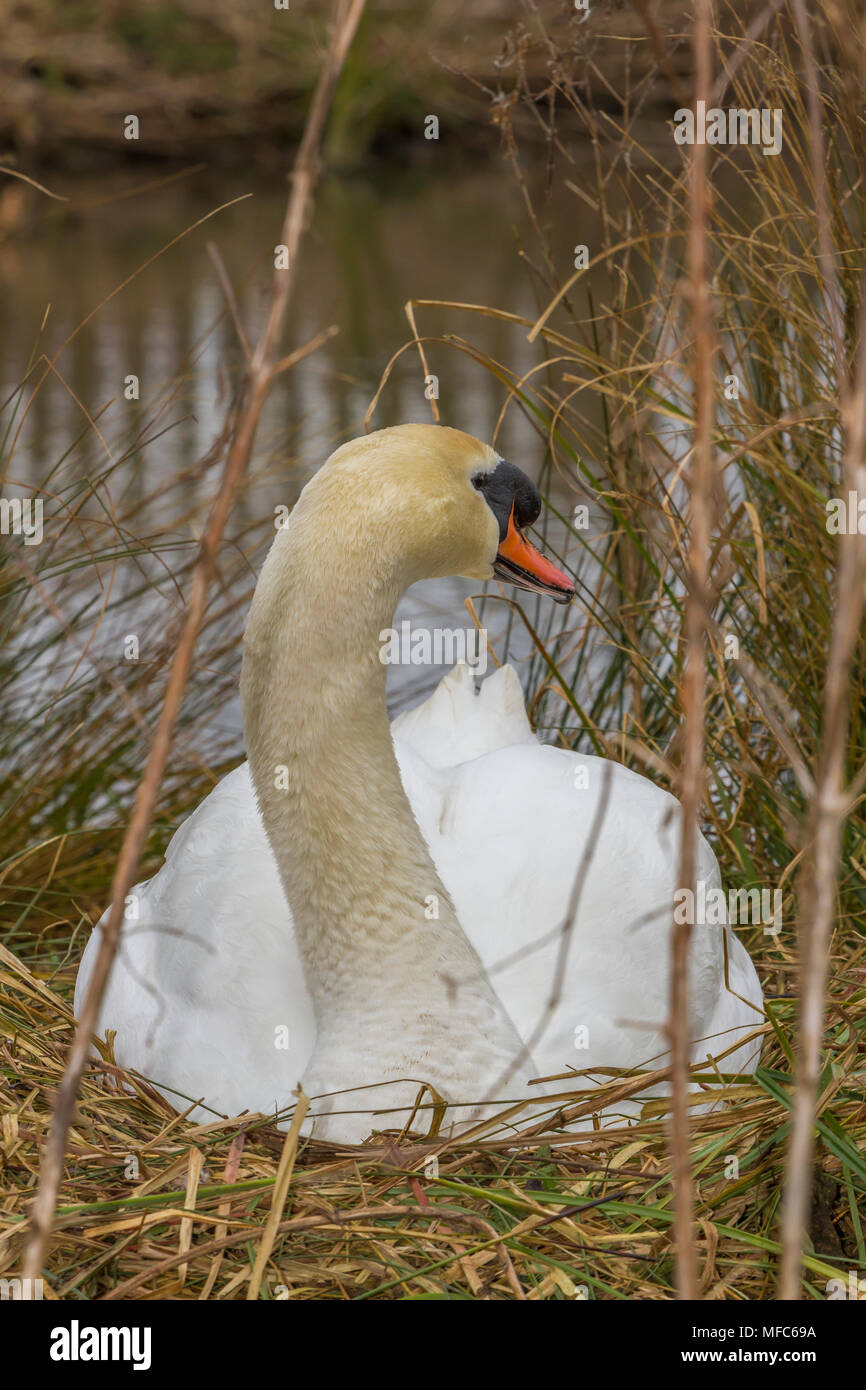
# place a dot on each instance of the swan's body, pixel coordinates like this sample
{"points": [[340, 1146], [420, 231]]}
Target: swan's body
{"points": [[422, 944]]}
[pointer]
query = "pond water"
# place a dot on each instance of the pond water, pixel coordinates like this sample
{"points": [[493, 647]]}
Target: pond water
{"points": [[370, 248]]}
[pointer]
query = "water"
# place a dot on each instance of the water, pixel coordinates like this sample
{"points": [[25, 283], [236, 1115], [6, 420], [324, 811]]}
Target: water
{"points": [[370, 248]]}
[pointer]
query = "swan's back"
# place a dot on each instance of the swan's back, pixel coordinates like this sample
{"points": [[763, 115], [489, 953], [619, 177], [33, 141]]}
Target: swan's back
{"points": [[208, 996]]}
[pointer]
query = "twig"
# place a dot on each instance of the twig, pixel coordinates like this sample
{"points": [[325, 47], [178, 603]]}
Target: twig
{"points": [[830, 804], [253, 395], [231, 301], [828, 810], [753, 33], [293, 358], [694, 678], [662, 55], [16, 174], [826, 261]]}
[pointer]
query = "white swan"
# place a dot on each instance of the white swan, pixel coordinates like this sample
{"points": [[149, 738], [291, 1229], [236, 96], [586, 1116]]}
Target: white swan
{"points": [[424, 933]]}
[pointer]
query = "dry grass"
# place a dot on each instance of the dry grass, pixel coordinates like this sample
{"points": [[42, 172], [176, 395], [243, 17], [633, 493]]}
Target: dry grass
{"points": [[504, 1218], [509, 1215]]}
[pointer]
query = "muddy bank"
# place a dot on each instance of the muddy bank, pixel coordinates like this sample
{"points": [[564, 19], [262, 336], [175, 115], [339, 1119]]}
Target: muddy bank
{"points": [[214, 80]]}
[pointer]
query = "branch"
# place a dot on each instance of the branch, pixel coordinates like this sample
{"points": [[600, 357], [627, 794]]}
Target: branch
{"points": [[694, 679], [254, 391], [830, 805], [828, 811]]}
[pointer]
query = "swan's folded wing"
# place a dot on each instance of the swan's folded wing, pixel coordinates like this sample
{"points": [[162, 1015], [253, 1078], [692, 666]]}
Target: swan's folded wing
{"points": [[206, 996], [511, 834]]}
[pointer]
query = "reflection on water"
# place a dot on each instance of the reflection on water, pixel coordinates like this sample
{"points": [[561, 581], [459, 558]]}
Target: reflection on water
{"points": [[368, 251]]}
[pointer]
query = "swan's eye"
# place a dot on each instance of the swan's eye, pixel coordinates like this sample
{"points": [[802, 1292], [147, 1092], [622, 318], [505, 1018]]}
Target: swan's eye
{"points": [[478, 480]]}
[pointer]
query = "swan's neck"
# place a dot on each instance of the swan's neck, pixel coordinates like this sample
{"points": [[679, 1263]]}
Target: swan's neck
{"points": [[375, 926]]}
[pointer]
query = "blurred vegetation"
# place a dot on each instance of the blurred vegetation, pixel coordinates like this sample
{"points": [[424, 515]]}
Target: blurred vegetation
{"points": [[229, 82]]}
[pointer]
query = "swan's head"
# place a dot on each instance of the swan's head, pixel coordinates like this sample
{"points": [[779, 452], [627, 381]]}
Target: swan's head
{"points": [[437, 502]]}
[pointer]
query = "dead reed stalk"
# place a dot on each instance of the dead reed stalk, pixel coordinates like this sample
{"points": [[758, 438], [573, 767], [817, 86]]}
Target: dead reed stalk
{"points": [[701, 488], [830, 804], [261, 370]]}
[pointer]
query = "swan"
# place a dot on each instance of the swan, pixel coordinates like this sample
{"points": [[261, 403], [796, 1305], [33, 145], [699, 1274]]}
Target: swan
{"points": [[368, 908]]}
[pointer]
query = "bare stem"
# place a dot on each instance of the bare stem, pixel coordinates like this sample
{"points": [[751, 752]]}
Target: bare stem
{"points": [[829, 807], [694, 679], [830, 803], [253, 394]]}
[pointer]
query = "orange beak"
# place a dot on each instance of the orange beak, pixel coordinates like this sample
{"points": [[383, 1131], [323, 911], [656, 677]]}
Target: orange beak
{"points": [[519, 563]]}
